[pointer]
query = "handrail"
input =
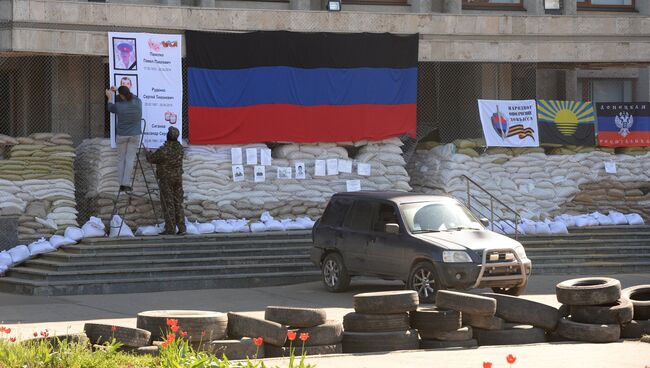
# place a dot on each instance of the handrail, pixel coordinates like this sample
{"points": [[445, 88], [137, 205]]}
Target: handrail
{"points": [[492, 200]]}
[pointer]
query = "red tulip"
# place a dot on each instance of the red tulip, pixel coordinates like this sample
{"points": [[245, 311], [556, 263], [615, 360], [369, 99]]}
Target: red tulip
{"points": [[258, 341], [183, 333], [202, 333], [174, 328], [172, 322], [35, 334], [291, 335], [113, 328], [304, 336], [12, 339], [7, 330], [165, 343], [511, 358], [171, 337], [487, 365]]}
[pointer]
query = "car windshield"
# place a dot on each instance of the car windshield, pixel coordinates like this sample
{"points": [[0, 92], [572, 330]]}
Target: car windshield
{"points": [[434, 216]]}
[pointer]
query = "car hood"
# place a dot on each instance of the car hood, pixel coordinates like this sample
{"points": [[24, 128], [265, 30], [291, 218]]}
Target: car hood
{"points": [[469, 239]]}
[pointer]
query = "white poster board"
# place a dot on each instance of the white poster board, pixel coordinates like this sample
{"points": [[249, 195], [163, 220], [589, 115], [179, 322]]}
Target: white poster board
{"points": [[300, 170], [150, 65], [353, 185], [509, 123]]}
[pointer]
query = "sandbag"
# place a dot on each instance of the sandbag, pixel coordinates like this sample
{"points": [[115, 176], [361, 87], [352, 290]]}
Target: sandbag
{"points": [[582, 221], [528, 227], [148, 231], [617, 218], [58, 241], [73, 233], [190, 228], [602, 219], [257, 227], [93, 228], [120, 228], [19, 253], [40, 246], [240, 226], [542, 228], [274, 225], [266, 217], [5, 259], [222, 226], [3, 269], [205, 228], [558, 227], [634, 219]]}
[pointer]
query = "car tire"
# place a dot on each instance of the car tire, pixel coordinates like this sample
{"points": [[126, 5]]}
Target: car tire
{"points": [[433, 319], [334, 274], [328, 333], [461, 334], [483, 322], [363, 322], [236, 349], [523, 311], [386, 302], [619, 312], [588, 291], [511, 335], [129, 337], [640, 298], [369, 342], [240, 325], [295, 317], [423, 278], [635, 329], [586, 332], [466, 303], [214, 325], [437, 344]]}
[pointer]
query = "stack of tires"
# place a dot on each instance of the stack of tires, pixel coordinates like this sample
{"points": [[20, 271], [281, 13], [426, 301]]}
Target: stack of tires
{"points": [[324, 337], [639, 296], [380, 322], [593, 309], [131, 339]]}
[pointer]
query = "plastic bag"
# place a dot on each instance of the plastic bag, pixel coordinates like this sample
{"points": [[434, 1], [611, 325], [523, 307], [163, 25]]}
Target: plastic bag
{"points": [[257, 227], [222, 226], [73, 233], [558, 227], [634, 219], [205, 228], [19, 253], [120, 228], [617, 218], [148, 231], [94, 228], [58, 241], [40, 246], [5, 259]]}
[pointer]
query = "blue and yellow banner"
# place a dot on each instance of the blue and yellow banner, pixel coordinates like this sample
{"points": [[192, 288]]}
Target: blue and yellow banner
{"points": [[566, 122]]}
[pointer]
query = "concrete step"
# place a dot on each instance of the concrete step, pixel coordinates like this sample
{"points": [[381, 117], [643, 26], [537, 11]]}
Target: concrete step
{"points": [[270, 235], [591, 268], [589, 258], [571, 251], [599, 242], [138, 285], [157, 272], [147, 262]]}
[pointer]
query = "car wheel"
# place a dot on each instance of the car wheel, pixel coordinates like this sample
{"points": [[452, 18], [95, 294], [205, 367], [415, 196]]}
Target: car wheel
{"points": [[424, 280], [335, 274]]}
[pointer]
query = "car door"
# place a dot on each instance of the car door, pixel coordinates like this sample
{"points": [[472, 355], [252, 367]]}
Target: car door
{"points": [[354, 241], [385, 250], [330, 227]]}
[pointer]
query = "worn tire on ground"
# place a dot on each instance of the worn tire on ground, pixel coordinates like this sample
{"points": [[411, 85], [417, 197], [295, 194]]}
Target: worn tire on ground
{"points": [[386, 302], [619, 312], [466, 303], [461, 334], [214, 324], [328, 333], [430, 319], [368, 342], [484, 322], [635, 329], [128, 337], [295, 317], [147, 350], [437, 344], [588, 291], [586, 332], [284, 351], [512, 335], [640, 297], [524, 311], [364, 322], [236, 349], [240, 326]]}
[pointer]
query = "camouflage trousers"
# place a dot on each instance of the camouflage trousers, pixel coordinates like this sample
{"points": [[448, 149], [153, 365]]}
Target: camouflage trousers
{"points": [[171, 198]]}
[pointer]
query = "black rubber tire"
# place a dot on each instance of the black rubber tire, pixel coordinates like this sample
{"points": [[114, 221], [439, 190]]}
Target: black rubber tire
{"points": [[424, 279], [386, 302], [483, 322], [430, 319], [524, 311], [333, 265], [240, 326], [588, 291], [363, 322], [619, 312], [285, 351], [564, 311], [635, 329], [461, 334], [640, 297], [295, 317], [437, 344], [466, 303], [194, 322], [511, 335], [368, 342], [236, 349], [129, 337], [328, 333], [586, 332]]}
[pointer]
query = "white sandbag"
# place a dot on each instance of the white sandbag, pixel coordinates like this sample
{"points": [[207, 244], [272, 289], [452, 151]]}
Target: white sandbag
{"points": [[3, 269], [93, 228], [528, 226], [148, 231], [19, 253], [119, 228], [617, 218], [240, 226], [266, 217], [508, 227], [307, 223], [496, 227], [257, 227], [73, 233], [568, 220], [222, 226], [558, 227], [274, 225], [5, 259], [50, 223], [634, 219], [583, 220], [191, 228], [40, 246], [205, 228], [602, 219], [58, 241], [293, 225], [542, 228]]}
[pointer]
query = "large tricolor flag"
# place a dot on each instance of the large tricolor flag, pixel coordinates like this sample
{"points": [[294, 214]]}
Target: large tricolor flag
{"points": [[623, 124], [300, 87]]}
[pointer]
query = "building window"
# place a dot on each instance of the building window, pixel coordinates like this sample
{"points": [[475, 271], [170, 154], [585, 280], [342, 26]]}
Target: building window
{"points": [[606, 4], [608, 90], [375, 2], [493, 4]]}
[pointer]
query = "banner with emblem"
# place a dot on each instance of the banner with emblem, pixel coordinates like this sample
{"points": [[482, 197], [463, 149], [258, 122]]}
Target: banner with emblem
{"points": [[623, 124], [150, 65], [509, 123], [566, 122]]}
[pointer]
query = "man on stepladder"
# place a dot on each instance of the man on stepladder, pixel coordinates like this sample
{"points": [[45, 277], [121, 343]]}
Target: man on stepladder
{"points": [[169, 169], [128, 110]]}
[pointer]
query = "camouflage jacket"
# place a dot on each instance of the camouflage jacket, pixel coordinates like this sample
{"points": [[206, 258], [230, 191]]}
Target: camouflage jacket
{"points": [[169, 160]]}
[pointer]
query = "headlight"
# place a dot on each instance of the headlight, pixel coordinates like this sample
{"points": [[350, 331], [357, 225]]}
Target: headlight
{"points": [[455, 256], [520, 252]]}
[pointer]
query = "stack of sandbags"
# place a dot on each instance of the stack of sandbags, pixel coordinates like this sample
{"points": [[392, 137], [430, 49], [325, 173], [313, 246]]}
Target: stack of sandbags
{"points": [[628, 196], [388, 165], [639, 296], [572, 150], [593, 309], [37, 184], [322, 336], [469, 147], [380, 322]]}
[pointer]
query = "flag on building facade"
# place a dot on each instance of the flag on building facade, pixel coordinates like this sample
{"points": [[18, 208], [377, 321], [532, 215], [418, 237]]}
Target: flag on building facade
{"points": [[566, 122], [300, 87], [509, 123], [623, 124]]}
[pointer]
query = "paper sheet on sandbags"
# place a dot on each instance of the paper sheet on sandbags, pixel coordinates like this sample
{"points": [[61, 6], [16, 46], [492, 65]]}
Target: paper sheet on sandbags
{"points": [[509, 123]]}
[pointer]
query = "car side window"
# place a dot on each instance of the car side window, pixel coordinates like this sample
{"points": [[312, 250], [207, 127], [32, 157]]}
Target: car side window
{"points": [[385, 215], [360, 216], [335, 212]]}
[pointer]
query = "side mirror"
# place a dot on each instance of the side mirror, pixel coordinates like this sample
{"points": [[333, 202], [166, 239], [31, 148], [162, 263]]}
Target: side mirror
{"points": [[392, 228], [484, 221]]}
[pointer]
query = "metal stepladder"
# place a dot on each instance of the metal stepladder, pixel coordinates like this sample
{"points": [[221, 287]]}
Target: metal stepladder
{"points": [[130, 195]]}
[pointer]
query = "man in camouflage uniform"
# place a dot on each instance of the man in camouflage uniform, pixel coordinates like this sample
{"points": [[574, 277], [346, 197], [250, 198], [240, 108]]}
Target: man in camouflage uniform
{"points": [[169, 161]]}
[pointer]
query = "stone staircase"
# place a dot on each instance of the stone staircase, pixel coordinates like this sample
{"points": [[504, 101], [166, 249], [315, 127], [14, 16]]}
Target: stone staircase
{"points": [[107, 266]]}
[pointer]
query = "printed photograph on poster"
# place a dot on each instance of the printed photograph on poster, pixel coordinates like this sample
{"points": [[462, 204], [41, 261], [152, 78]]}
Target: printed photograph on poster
{"points": [[251, 156], [332, 166], [260, 174], [124, 54], [345, 166], [300, 170], [284, 172], [320, 168], [236, 156], [265, 156], [353, 185], [128, 80], [363, 169], [238, 173]]}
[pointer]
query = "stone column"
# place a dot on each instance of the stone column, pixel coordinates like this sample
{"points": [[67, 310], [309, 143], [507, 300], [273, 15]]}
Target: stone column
{"points": [[569, 7], [421, 6], [300, 4], [643, 85], [452, 6], [571, 85]]}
